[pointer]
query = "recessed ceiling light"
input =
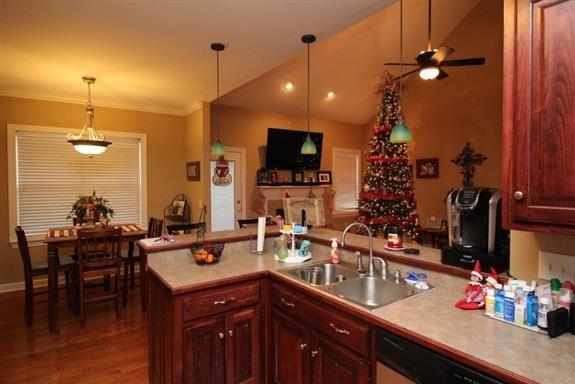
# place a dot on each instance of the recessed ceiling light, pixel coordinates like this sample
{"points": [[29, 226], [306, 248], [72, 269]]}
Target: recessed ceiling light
{"points": [[288, 86], [330, 95]]}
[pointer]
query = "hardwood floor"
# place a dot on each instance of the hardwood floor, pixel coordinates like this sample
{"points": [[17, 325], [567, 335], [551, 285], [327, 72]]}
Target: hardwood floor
{"points": [[105, 351]]}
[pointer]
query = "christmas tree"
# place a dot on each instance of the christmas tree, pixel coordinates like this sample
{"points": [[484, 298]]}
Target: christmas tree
{"points": [[387, 197]]}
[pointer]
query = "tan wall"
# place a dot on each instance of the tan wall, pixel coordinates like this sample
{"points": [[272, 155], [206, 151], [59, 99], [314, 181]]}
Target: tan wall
{"points": [[247, 128], [444, 115], [166, 157]]}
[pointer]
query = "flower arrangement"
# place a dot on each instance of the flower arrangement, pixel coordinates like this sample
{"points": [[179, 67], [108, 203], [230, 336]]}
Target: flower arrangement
{"points": [[90, 208]]}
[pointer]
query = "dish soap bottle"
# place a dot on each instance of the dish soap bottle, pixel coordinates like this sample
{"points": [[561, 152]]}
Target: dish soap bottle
{"points": [[334, 256]]}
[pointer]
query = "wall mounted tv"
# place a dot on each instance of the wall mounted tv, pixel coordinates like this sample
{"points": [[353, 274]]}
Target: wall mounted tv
{"points": [[283, 150]]}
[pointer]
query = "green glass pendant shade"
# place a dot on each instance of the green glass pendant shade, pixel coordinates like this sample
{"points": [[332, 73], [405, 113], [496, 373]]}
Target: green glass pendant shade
{"points": [[308, 147], [400, 134], [218, 148]]}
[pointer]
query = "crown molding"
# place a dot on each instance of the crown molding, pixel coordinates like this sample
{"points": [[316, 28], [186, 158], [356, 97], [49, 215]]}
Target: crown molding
{"points": [[100, 103], [193, 107]]}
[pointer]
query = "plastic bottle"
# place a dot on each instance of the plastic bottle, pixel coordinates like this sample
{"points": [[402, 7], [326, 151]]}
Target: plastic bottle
{"points": [[542, 312], [565, 297], [509, 304], [490, 301], [334, 256], [555, 287], [531, 307], [499, 302]]}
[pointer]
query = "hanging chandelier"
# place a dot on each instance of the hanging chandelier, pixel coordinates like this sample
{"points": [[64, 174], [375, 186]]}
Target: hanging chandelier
{"points": [[400, 133], [89, 141], [308, 147], [218, 148]]}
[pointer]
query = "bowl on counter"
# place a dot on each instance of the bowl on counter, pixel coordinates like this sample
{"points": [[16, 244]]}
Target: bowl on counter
{"points": [[207, 253]]}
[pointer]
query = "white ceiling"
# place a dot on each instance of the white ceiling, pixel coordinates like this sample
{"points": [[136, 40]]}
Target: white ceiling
{"points": [[154, 55], [350, 63]]}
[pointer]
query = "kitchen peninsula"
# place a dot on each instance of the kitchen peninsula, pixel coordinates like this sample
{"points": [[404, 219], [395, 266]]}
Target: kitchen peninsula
{"points": [[243, 320]]}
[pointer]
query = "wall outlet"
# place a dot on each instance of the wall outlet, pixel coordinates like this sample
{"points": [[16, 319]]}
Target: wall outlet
{"points": [[556, 265]]}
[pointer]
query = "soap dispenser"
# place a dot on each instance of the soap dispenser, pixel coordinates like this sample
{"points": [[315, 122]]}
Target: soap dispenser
{"points": [[334, 256]]}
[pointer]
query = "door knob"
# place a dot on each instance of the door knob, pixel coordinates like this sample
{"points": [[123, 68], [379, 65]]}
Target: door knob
{"points": [[518, 195]]}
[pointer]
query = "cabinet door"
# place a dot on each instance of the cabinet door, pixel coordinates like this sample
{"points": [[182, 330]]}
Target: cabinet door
{"points": [[204, 352], [243, 346], [539, 115], [332, 363], [290, 350]]}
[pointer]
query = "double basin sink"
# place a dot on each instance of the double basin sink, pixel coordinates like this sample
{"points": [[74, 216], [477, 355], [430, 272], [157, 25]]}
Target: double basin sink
{"points": [[347, 283]]}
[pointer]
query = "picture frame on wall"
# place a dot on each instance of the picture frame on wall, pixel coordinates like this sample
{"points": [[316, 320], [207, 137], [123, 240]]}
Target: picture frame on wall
{"points": [[193, 170], [324, 177], [427, 168], [297, 177]]}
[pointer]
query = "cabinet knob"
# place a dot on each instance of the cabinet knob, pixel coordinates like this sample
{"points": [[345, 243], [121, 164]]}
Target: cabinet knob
{"points": [[221, 334], [313, 354], [518, 195], [303, 346], [231, 332]]}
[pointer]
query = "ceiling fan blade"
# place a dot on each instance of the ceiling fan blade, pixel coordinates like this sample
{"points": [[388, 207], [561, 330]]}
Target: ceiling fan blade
{"points": [[407, 74], [464, 62], [442, 74], [441, 54], [406, 64]]}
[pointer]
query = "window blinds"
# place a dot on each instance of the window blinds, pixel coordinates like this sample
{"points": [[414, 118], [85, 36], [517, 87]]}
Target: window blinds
{"points": [[50, 176], [346, 180]]}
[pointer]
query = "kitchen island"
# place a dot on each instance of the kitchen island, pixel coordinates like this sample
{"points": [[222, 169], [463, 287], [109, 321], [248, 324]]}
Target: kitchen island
{"points": [[243, 320]]}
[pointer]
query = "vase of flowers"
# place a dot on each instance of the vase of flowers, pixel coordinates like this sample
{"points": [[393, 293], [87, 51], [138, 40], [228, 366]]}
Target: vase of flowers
{"points": [[90, 209]]}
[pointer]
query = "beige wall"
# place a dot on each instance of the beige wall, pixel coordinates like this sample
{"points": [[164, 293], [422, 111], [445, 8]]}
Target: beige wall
{"points": [[198, 149], [444, 115], [247, 128], [166, 157]]}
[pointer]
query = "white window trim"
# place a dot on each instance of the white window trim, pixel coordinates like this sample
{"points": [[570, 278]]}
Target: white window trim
{"points": [[13, 129], [357, 153]]}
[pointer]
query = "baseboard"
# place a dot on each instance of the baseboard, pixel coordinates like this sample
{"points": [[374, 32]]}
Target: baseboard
{"points": [[12, 287]]}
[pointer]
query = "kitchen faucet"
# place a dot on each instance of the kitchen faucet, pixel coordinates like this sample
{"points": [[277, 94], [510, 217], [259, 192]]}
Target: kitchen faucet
{"points": [[371, 268]]}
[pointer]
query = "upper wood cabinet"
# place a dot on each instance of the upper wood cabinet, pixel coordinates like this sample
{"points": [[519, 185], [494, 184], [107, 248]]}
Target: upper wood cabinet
{"points": [[539, 116]]}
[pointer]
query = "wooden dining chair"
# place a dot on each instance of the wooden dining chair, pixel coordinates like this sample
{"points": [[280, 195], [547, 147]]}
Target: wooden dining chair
{"points": [[155, 227], [40, 268], [99, 255], [243, 223]]}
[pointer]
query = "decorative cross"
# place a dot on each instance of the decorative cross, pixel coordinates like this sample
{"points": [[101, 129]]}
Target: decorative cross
{"points": [[467, 160]]}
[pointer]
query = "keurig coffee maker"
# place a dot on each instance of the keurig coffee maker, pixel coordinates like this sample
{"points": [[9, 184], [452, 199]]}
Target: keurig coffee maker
{"points": [[475, 232]]}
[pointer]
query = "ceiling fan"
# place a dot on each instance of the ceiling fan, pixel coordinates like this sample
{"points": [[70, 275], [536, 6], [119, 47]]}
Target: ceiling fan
{"points": [[431, 61]]}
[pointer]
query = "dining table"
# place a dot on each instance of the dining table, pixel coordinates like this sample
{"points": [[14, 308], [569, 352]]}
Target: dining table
{"points": [[60, 238]]}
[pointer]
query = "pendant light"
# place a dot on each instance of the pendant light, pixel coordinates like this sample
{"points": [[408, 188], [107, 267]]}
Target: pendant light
{"points": [[218, 148], [429, 72], [400, 133], [89, 141], [308, 147]]}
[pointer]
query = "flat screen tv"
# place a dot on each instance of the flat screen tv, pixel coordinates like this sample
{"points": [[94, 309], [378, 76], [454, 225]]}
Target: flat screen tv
{"points": [[284, 146]]}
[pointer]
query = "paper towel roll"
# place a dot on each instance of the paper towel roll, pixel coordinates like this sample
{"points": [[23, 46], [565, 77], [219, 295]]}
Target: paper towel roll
{"points": [[261, 234]]}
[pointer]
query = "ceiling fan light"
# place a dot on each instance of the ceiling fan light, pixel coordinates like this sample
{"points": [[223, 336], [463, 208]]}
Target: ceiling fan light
{"points": [[218, 148], [308, 147], [429, 73], [400, 134]]}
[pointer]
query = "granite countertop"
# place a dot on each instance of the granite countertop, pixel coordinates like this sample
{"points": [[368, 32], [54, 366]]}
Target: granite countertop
{"points": [[429, 317]]}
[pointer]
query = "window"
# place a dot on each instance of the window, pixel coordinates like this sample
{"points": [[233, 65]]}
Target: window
{"points": [[346, 180], [47, 175]]}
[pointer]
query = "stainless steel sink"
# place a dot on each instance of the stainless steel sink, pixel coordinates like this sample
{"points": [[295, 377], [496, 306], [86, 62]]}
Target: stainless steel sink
{"points": [[323, 273], [373, 292]]}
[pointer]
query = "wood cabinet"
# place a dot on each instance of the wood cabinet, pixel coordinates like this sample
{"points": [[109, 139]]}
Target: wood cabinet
{"points": [[539, 116], [212, 336], [311, 343]]}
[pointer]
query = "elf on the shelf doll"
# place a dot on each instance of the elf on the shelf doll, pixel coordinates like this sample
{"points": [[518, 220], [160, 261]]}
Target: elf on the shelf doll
{"points": [[474, 298]]}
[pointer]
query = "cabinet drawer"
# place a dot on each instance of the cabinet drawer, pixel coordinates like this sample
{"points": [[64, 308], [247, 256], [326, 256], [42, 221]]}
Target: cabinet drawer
{"points": [[349, 331], [217, 300]]}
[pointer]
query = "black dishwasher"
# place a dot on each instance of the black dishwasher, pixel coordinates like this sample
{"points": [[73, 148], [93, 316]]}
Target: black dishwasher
{"points": [[423, 365]]}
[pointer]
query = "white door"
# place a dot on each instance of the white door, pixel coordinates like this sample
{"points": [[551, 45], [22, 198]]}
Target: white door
{"points": [[227, 201]]}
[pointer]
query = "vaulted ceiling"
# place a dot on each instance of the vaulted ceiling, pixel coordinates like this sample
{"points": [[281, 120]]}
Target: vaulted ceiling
{"points": [[350, 63], [154, 55]]}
